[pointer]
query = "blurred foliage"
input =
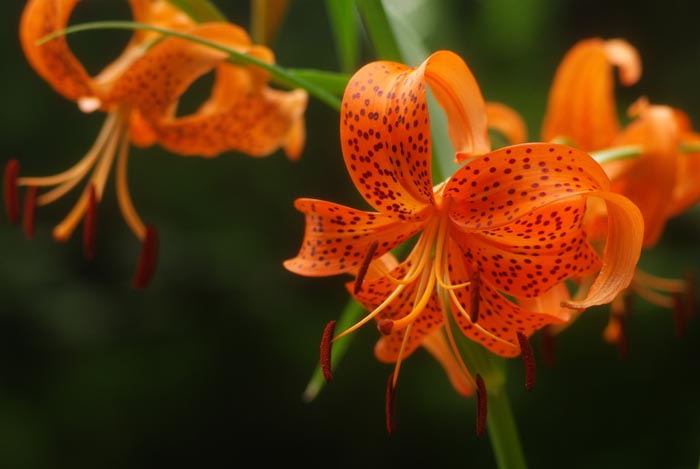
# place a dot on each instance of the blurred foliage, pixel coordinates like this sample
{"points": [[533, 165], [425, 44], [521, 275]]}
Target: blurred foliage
{"points": [[208, 365]]}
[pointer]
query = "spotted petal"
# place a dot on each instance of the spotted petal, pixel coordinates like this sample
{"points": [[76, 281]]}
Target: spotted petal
{"points": [[385, 128], [242, 113], [338, 238], [581, 106], [53, 61], [499, 320], [537, 251]]}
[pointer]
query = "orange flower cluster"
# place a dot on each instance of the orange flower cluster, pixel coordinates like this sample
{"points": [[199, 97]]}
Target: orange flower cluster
{"points": [[139, 92]]}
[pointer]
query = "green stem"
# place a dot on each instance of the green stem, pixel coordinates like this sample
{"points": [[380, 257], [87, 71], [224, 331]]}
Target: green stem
{"points": [[616, 153], [692, 147], [502, 430], [280, 75]]}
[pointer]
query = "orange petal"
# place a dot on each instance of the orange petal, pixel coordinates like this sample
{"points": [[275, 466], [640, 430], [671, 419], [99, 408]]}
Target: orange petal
{"points": [[500, 319], [53, 61], [536, 252], [457, 91], [507, 121], [622, 249], [498, 188], [581, 105], [337, 238], [649, 181], [242, 114]]}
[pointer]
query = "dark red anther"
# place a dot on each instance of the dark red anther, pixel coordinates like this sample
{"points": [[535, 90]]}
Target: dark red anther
{"points": [[390, 405], [679, 309], [385, 326], [548, 347], [326, 345], [481, 405], [29, 209], [365, 265], [474, 295], [90, 226], [11, 190], [528, 359], [147, 259]]}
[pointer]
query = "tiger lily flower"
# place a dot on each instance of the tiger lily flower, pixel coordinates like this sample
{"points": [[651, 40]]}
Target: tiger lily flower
{"points": [[663, 180], [508, 225], [139, 92]]}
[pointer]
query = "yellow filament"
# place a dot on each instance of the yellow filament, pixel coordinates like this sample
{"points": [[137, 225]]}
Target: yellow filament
{"points": [[464, 313], [399, 359], [371, 315], [453, 343], [422, 249], [63, 230], [79, 169], [425, 291], [127, 207]]}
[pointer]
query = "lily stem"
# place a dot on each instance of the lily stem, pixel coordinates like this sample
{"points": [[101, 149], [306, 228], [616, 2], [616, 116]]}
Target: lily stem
{"points": [[502, 430]]}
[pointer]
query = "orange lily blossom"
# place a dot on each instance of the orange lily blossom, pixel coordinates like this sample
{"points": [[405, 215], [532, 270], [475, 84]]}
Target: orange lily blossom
{"points": [[663, 181], [139, 91], [508, 225]]}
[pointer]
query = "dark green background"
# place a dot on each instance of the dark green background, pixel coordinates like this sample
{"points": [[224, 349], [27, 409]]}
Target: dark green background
{"points": [[207, 366]]}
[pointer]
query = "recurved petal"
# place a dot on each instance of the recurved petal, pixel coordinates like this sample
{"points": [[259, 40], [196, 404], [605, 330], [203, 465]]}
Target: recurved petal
{"points": [[650, 180], [457, 91], [536, 252], [385, 138], [506, 184], [622, 250], [581, 105], [53, 60], [507, 121], [499, 320], [155, 81], [338, 238]]}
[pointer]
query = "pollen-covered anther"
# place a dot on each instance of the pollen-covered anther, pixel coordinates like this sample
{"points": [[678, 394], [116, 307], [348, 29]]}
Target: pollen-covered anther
{"points": [[528, 359], [147, 259], [28, 212], [11, 190], [362, 271], [390, 405], [481, 405], [474, 295], [326, 346], [90, 226], [385, 326]]}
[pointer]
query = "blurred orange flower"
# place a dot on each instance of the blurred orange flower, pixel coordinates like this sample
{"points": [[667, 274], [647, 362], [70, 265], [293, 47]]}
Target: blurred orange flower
{"points": [[139, 91]]}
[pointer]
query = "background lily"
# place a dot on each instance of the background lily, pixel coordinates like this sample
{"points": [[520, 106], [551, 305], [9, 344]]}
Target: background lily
{"points": [[139, 91], [660, 177]]}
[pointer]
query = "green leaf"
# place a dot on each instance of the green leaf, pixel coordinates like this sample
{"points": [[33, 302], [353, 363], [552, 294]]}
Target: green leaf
{"points": [[332, 82], [279, 75], [380, 29], [343, 20], [199, 10], [350, 315]]}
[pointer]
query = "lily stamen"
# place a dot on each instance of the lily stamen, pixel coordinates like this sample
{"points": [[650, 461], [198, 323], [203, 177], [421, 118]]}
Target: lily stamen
{"points": [[528, 359], [326, 346], [365, 265]]}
